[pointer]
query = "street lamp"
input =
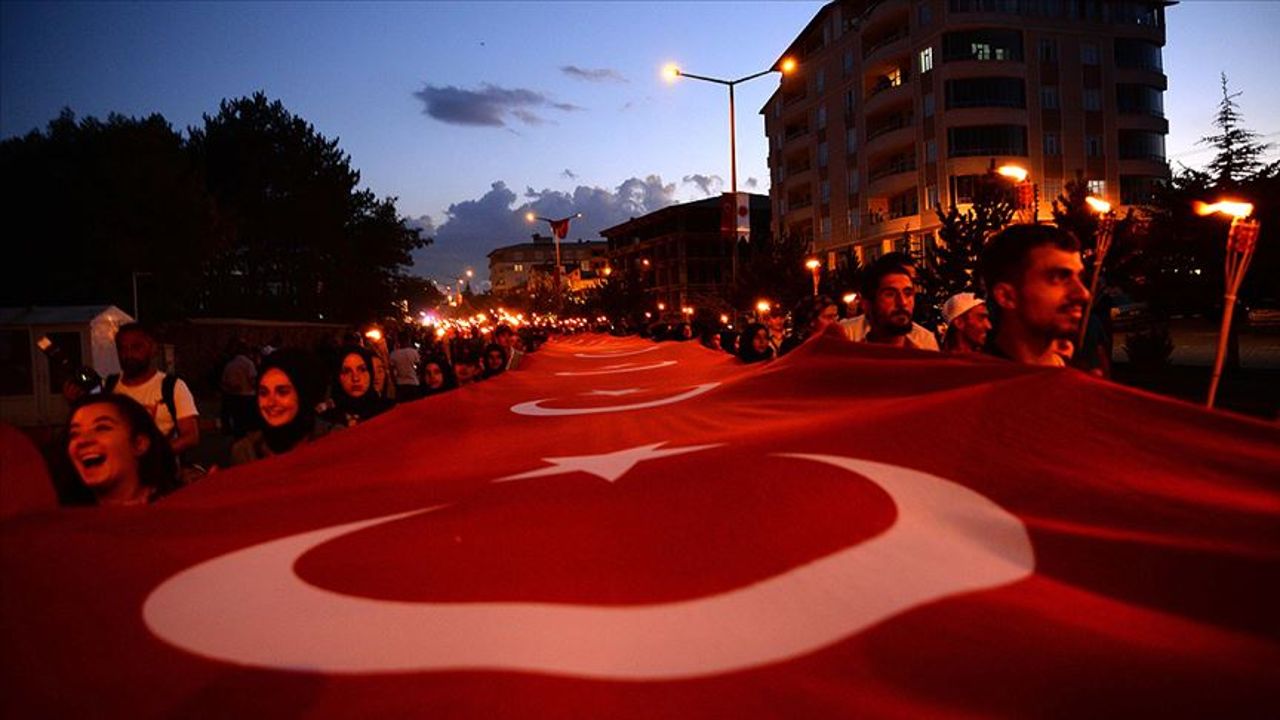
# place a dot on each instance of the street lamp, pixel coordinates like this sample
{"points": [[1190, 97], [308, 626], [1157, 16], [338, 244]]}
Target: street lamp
{"points": [[559, 231], [1242, 238], [814, 267], [673, 72]]}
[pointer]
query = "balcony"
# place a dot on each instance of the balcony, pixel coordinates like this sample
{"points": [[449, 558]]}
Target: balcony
{"points": [[896, 121], [900, 33], [898, 165]]}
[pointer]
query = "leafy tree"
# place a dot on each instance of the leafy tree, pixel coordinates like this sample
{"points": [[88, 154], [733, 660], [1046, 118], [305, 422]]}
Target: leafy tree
{"points": [[954, 252], [774, 268], [90, 203], [1239, 151], [302, 240]]}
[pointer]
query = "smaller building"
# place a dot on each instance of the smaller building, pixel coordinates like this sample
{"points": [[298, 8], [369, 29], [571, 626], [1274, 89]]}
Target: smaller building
{"points": [[683, 253], [517, 268]]}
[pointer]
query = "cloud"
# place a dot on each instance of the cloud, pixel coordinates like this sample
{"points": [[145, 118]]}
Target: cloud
{"points": [[473, 228], [489, 106], [569, 174], [593, 74], [708, 184]]}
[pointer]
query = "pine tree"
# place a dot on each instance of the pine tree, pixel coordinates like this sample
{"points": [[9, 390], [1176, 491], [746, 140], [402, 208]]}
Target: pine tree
{"points": [[1239, 151], [955, 252]]}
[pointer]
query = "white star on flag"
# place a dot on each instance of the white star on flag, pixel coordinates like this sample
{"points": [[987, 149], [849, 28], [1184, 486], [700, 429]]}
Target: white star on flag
{"points": [[609, 466]]}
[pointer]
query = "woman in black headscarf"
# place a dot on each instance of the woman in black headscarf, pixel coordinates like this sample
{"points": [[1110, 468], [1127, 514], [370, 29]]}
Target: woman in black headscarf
{"points": [[437, 375], [494, 360], [287, 394], [353, 396], [754, 345]]}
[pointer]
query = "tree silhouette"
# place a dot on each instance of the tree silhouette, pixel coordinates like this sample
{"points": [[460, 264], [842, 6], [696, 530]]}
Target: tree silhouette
{"points": [[1239, 151], [953, 255]]}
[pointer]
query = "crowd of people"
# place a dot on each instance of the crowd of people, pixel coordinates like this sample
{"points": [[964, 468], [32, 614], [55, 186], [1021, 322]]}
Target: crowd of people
{"points": [[129, 436]]}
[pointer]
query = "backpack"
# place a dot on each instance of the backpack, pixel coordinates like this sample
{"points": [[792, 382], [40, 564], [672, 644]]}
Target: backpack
{"points": [[166, 393]]}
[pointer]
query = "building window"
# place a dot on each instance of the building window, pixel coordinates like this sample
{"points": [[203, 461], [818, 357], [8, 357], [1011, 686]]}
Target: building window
{"points": [[931, 196], [852, 181], [847, 63], [928, 104], [904, 204], [924, 13], [987, 140], [1141, 54], [822, 117], [851, 140], [822, 154], [517, 268], [777, 108], [854, 221], [1089, 54], [1048, 51], [1098, 188], [1049, 97], [1052, 188], [983, 44], [1141, 145], [1093, 145], [1092, 99], [926, 60], [1132, 99], [1051, 145], [963, 188], [894, 77], [931, 150], [820, 81], [825, 191], [849, 104], [826, 230], [1138, 189], [1007, 92]]}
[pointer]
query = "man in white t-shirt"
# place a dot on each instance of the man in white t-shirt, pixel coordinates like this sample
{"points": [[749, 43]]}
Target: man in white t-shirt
{"points": [[404, 362], [140, 380], [888, 300]]}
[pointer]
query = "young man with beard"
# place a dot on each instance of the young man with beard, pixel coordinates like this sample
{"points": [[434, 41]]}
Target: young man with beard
{"points": [[169, 401], [1034, 279], [888, 301]]}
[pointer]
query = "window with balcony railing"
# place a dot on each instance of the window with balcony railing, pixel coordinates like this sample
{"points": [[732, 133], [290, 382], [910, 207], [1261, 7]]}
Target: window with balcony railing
{"points": [[1138, 189], [1140, 54], [1001, 92], [887, 124], [1141, 145], [987, 140], [982, 44], [791, 132], [904, 204], [895, 165], [1134, 99], [888, 81], [871, 45]]}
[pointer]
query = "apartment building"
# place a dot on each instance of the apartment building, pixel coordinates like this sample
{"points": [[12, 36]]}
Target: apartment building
{"points": [[681, 252], [515, 268], [898, 105]]}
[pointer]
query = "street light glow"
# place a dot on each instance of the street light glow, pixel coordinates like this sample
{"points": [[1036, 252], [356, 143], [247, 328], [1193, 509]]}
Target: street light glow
{"points": [[1226, 207], [763, 306], [1013, 172], [670, 72], [1100, 206], [787, 66], [530, 217]]}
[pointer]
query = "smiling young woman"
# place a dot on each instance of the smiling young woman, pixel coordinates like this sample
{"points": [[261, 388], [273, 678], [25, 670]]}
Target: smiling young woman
{"points": [[117, 453]]}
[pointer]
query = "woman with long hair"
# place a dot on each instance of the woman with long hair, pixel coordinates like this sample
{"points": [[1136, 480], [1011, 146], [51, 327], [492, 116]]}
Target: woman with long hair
{"points": [[117, 453], [437, 375]]}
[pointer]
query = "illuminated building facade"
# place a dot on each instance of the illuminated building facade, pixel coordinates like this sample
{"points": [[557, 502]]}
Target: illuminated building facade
{"points": [[898, 105]]}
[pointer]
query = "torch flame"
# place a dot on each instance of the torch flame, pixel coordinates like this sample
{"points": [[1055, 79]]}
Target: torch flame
{"points": [[1102, 207], [1015, 173], [812, 264], [1226, 207]]}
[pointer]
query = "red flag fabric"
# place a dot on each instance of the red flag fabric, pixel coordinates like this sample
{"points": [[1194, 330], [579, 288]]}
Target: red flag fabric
{"points": [[560, 228], [629, 529]]}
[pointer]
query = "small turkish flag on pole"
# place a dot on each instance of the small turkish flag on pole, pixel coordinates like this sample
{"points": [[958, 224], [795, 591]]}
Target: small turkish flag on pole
{"points": [[560, 228]]}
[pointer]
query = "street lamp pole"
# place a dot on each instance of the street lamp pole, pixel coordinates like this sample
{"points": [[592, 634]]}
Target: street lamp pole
{"points": [[784, 67]]}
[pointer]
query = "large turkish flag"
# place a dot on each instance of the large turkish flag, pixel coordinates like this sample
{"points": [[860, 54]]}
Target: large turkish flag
{"points": [[623, 529]]}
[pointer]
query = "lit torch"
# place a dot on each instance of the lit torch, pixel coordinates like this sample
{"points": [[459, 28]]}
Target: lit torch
{"points": [[1102, 243], [1242, 238]]}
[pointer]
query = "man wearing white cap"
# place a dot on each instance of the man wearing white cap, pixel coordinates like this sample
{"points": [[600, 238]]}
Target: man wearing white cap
{"points": [[968, 323]]}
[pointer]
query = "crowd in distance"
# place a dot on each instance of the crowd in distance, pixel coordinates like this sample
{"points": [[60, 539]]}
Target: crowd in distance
{"points": [[127, 436]]}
